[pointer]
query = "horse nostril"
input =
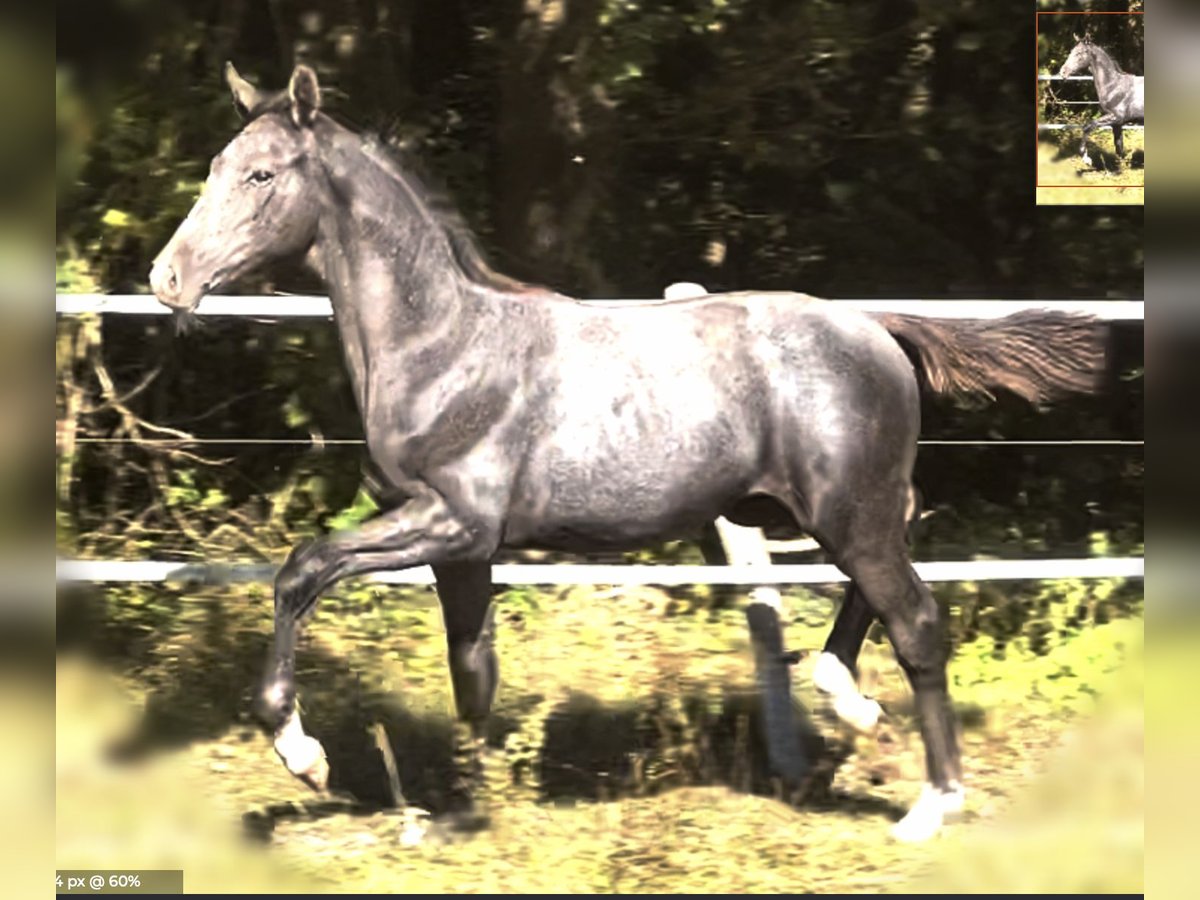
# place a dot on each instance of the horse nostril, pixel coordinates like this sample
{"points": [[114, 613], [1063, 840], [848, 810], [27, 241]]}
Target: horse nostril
{"points": [[164, 281]]}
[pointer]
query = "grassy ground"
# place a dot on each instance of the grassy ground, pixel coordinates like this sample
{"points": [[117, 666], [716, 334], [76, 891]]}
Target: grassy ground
{"points": [[651, 778], [1104, 182]]}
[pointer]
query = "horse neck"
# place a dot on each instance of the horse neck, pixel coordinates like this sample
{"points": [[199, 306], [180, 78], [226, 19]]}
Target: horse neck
{"points": [[1104, 69], [391, 275]]}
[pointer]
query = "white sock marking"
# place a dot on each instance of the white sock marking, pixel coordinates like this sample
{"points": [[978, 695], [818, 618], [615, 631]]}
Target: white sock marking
{"points": [[925, 818], [303, 755], [833, 678]]}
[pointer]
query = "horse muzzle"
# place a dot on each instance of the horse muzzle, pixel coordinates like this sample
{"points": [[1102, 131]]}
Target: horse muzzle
{"points": [[170, 286]]}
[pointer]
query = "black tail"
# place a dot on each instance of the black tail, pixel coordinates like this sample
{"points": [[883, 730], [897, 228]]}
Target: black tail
{"points": [[1037, 354]]}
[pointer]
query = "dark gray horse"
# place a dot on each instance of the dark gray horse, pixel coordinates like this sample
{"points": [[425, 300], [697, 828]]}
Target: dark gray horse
{"points": [[502, 415], [1122, 96]]}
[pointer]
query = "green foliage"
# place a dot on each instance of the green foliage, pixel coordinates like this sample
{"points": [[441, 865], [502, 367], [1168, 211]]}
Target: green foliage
{"points": [[1068, 676], [521, 599], [73, 276], [356, 513], [1012, 618]]}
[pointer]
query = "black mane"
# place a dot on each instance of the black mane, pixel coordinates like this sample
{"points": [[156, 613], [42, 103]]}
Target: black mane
{"points": [[406, 168], [414, 177], [1106, 55]]}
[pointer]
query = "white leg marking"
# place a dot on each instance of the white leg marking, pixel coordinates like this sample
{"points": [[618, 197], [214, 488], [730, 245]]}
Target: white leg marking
{"points": [[748, 547], [768, 596], [832, 677], [414, 823], [303, 755], [929, 812]]}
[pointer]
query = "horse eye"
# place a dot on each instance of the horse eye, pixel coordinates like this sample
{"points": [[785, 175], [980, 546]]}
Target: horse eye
{"points": [[260, 176]]}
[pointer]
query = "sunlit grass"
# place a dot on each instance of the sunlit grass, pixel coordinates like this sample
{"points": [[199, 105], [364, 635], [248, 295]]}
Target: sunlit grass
{"points": [[1064, 179], [593, 661]]}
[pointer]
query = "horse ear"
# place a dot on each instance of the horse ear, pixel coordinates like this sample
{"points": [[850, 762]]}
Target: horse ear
{"points": [[305, 95], [246, 97]]}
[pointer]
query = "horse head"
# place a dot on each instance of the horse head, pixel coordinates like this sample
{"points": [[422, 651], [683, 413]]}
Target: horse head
{"points": [[261, 200]]}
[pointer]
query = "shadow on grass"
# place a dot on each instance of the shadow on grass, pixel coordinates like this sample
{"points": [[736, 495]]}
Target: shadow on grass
{"points": [[1103, 160], [704, 734], [592, 751]]}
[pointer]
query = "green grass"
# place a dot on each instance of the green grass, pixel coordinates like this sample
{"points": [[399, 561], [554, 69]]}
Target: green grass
{"points": [[1064, 179], [645, 707]]}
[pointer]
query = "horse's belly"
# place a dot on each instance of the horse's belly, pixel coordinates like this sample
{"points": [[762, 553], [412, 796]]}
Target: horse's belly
{"points": [[602, 490], [585, 534]]}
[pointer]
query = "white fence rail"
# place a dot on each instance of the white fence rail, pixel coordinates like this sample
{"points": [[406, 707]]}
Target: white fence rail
{"points": [[1062, 126], [306, 306], [150, 571]]}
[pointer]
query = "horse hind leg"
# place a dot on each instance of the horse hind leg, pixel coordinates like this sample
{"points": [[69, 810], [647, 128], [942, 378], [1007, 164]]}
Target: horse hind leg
{"points": [[915, 627], [836, 671]]}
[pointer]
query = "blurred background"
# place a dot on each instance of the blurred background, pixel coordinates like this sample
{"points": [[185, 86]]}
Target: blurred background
{"points": [[607, 149]]}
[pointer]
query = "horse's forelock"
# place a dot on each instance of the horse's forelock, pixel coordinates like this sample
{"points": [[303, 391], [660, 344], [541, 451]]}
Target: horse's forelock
{"points": [[275, 101]]}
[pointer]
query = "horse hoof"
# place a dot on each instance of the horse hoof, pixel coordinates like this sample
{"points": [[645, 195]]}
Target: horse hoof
{"points": [[306, 761], [303, 755], [859, 712], [316, 776], [916, 828], [926, 817], [830, 676], [414, 824]]}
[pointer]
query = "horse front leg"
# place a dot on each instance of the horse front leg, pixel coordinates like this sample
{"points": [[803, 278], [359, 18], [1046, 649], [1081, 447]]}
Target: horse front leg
{"points": [[1100, 122], [1083, 154], [1119, 143], [836, 671], [465, 593], [302, 754], [423, 531]]}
